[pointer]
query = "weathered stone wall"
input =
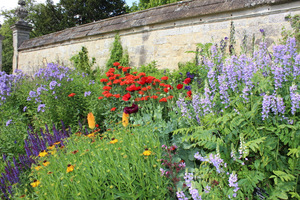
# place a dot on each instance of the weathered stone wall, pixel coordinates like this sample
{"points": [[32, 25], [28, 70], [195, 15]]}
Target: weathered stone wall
{"points": [[164, 33]]}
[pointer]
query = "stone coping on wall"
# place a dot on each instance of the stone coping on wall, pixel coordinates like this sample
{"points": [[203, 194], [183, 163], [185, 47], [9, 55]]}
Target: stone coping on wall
{"points": [[162, 14]]}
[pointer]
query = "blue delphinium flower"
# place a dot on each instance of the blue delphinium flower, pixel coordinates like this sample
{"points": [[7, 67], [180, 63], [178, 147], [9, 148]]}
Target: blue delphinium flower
{"points": [[181, 196], [87, 93], [8, 122], [41, 108]]}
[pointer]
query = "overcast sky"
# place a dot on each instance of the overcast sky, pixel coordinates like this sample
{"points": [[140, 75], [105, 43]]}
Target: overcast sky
{"points": [[10, 4]]}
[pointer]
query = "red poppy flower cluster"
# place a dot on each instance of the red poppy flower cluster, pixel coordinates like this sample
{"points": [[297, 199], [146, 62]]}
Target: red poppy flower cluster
{"points": [[133, 84]]}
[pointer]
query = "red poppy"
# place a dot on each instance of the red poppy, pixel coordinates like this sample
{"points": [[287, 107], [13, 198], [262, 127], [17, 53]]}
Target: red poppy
{"points": [[166, 90], [141, 92], [100, 97], [170, 97], [117, 95], [72, 95], [126, 97], [97, 125], [154, 97], [187, 81], [109, 83], [106, 88], [164, 78], [103, 80], [189, 93], [107, 95], [116, 64], [113, 109], [162, 84], [144, 98], [179, 86], [163, 100]]}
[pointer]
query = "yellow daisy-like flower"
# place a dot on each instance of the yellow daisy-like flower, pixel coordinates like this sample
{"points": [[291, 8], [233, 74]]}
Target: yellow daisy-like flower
{"points": [[37, 168], [113, 141], [91, 135], [46, 163], [43, 153], [125, 119], [35, 183], [147, 152], [51, 147], [70, 168], [57, 143], [91, 120]]}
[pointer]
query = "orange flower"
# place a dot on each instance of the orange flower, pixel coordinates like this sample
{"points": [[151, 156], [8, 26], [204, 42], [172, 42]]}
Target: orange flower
{"points": [[170, 97], [100, 98], [91, 120], [113, 109], [125, 119], [72, 95], [74, 152]]}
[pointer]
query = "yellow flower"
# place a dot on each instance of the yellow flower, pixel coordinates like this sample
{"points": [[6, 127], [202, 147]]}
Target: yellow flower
{"points": [[51, 147], [91, 120], [35, 183], [91, 135], [113, 141], [37, 168], [125, 119], [57, 143], [43, 153], [147, 152], [46, 163], [70, 168]]}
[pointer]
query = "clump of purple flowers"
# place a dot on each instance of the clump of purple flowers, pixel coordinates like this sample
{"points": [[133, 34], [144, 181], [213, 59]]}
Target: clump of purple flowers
{"points": [[9, 83], [33, 146]]}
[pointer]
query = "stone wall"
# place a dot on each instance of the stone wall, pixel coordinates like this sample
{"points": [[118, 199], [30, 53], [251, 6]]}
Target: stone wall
{"points": [[164, 33]]}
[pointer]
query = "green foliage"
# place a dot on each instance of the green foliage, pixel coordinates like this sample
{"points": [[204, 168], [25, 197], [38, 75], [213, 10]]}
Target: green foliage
{"points": [[117, 54], [103, 169], [145, 4], [7, 42], [86, 11], [82, 62]]}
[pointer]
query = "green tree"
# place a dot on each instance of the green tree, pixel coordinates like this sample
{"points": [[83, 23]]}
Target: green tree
{"points": [[117, 54], [145, 4], [86, 11], [7, 43], [48, 18]]}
